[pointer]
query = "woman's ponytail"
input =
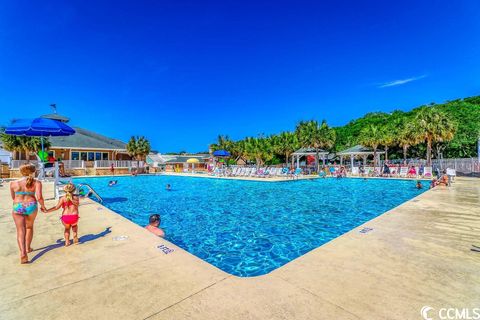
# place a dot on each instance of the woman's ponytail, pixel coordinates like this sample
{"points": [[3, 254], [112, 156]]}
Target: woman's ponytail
{"points": [[28, 170], [69, 188]]}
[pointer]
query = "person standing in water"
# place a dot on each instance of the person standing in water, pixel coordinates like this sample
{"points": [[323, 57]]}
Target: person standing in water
{"points": [[26, 195], [153, 226]]}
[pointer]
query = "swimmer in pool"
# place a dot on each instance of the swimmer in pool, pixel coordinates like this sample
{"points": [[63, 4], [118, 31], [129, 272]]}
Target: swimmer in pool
{"points": [[153, 225], [168, 187], [112, 183], [419, 185]]}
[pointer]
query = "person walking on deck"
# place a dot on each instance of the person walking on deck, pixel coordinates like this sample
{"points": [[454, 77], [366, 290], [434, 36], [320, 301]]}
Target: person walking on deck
{"points": [[26, 195]]}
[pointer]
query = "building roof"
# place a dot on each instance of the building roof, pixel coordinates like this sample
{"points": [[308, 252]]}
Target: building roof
{"points": [[55, 116], [175, 158], [184, 158], [159, 158], [308, 151], [358, 149], [84, 139]]}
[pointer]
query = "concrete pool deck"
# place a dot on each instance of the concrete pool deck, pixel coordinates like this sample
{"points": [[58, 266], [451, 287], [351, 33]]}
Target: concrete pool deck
{"points": [[416, 255]]}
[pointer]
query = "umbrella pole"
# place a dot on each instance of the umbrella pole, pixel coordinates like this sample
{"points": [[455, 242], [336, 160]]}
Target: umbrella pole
{"points": [[43, 164]]}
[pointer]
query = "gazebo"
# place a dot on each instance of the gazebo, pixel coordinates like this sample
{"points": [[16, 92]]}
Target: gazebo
{"points": [[322, 154], [357, 150]]}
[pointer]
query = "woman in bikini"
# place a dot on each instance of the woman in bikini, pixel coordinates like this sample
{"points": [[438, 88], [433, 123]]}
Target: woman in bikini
{"points": [[69, 218], [26, 195]]}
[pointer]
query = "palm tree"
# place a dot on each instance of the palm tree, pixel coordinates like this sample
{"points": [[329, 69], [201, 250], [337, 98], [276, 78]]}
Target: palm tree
{"points": [[388, 138], [238, 150], [33, 144], [21, 143], [287, 144], [407, 136], [317, 136], [434, 126], [258, 149], [11, 143], [223, 143], [138, 148], [371, 136]]}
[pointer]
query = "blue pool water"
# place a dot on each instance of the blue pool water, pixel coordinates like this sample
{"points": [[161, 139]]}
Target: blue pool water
{"points": [[251, 228]]}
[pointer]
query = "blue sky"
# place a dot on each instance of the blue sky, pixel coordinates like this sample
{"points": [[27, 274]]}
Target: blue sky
{"points": [[182, 72]]}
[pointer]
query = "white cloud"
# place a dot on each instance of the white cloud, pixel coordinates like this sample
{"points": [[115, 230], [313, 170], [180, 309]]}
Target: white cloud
{"points": [[400, 81]]}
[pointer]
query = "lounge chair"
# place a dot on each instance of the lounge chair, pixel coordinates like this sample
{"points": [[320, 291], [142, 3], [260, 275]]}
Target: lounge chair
{"points": [[368, 170], [355, 171], [297, 173], [427, 172], [403, 171], [276, 172], [451, 173]]}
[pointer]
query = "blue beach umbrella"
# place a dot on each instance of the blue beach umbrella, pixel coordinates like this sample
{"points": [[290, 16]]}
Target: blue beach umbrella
{"points": [[39, 127], [221, 153]]}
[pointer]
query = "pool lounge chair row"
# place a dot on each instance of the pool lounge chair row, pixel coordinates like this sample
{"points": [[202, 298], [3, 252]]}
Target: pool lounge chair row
{"points": [[394, 172], [263, 172]]}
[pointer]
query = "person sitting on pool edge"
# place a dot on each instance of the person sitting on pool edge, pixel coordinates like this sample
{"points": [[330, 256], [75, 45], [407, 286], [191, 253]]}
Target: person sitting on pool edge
{"points": [[153, 225]]}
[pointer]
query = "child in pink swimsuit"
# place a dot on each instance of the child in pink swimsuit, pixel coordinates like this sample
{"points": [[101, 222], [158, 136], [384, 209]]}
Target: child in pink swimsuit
{"points": [[69, 218]]}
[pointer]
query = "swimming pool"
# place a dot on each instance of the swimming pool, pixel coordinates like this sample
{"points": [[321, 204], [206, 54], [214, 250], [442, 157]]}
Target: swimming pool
{"points": [[250, 228]]}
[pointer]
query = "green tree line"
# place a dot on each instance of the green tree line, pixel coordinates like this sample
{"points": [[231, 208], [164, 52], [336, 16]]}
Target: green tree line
{"points": [[450, 129]]}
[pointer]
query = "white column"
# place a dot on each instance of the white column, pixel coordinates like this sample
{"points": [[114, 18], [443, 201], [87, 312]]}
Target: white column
{"points": [[364, 160], [323, 155], [351, 161], [341, 160], [298, 161]]}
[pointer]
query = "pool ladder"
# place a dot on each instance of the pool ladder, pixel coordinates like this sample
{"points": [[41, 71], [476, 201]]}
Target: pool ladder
{"points": [[90, 189]]}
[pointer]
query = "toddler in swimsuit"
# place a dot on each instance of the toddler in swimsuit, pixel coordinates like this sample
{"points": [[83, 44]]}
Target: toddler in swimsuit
{"points": [[69, 218]]}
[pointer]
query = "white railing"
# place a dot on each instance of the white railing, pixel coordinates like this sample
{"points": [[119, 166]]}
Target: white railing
{"points": [[74, 164], [466, 165], [117, 164], [15, 164], [463, 165]]}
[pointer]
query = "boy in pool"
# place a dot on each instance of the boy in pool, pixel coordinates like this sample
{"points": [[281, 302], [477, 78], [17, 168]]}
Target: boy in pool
{"points": [[154, 222], [419, 185], [169, 187]]}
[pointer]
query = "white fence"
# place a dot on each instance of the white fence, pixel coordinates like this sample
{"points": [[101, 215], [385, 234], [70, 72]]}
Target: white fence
{"points": [[462, 165], [466, 165], [15, 164], [68, 164], [118, 164], [74, 164]]}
